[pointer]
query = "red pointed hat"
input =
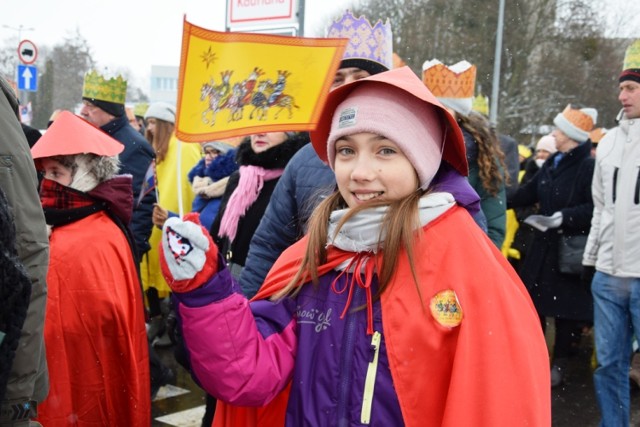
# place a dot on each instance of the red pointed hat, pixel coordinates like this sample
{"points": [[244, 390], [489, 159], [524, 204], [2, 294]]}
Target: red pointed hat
{"points": [[70, 134], [404, 79]]}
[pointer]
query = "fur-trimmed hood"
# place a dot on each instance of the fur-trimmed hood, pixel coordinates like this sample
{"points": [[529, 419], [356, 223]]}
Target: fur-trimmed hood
{"points": [[221, 167], [274, 158]]}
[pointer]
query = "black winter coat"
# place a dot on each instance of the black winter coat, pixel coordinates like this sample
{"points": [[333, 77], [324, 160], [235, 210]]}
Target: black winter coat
{"points": [[565, 188], [305, 182], [135, 160]]}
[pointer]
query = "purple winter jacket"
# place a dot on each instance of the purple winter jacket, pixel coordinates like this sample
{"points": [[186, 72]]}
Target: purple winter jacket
{"points": [[246, 353]]}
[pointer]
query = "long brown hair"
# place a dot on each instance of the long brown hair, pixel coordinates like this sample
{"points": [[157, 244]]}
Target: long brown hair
{"points": [[159, 139], [399, 224], [491, 164]]}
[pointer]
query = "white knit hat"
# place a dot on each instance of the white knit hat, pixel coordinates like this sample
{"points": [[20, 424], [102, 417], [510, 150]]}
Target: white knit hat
{"points": [[547, 143], [161, 110], [576, 124]]}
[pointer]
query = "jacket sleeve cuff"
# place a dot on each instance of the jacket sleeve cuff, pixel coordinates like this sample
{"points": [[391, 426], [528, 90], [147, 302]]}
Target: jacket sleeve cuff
{"points": [[220, 286]]}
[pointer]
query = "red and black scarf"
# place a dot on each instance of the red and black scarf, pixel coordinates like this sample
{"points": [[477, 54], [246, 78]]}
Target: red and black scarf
{"points": [[64, 205]]}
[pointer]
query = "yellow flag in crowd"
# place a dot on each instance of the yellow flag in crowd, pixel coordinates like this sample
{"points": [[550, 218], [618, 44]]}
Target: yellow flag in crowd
{"points": [[234, 84]]}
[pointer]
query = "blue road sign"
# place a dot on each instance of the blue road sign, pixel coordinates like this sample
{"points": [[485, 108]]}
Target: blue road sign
{"points": [[27, 78]]}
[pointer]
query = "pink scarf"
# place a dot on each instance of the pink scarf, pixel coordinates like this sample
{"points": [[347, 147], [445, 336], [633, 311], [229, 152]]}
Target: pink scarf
{"points": [[252, 179]]}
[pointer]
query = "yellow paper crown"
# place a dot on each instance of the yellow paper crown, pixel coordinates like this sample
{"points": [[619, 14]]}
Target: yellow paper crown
{"points": [[140, 109], [457, 81], [632, 56], [480, 104], [97, 87]]}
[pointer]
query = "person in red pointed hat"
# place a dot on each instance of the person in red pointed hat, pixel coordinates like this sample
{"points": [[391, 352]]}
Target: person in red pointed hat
{"points": [[94, 326], [395, 308]]}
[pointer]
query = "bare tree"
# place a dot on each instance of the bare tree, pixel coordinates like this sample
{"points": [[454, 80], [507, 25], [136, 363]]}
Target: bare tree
{"points": [[554, 51]]}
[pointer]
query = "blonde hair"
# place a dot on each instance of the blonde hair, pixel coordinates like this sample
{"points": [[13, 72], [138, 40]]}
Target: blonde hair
{"points": [[159, 139], [400, 224]]}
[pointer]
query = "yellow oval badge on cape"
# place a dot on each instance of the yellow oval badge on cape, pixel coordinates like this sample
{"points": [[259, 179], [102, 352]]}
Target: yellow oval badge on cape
{"points": [[446, 309]]}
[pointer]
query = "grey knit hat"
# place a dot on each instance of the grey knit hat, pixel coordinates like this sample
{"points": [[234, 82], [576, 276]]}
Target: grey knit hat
{"points": [[220, 146]]}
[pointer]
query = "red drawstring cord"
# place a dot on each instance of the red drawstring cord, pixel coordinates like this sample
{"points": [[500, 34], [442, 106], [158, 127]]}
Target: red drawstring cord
{"points": [[360, 260]]}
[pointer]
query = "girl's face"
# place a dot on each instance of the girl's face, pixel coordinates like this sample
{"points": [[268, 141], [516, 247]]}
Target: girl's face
{"points": [[209, 154], [55, 171], [151, 125], [263, 141], [542, 154], [372, 167]]}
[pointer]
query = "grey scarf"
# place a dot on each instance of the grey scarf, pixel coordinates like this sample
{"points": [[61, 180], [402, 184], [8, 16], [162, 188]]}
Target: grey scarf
{"points": [[362, 232]]}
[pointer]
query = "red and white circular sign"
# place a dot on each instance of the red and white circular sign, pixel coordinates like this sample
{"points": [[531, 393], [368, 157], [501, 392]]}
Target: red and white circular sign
{"points": [[27, 52]]}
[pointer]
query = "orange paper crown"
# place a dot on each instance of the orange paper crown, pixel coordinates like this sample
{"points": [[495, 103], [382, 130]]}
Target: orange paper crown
{"points": [[578, 118], [457, 81], [596, 135]]}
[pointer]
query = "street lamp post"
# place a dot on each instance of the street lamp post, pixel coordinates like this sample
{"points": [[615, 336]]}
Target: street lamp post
{"points": [[20, 28], [495, 90]]}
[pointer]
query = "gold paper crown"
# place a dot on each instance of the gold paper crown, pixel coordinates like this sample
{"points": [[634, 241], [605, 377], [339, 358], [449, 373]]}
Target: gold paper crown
{"points": [[480, 104], [457, 81], [140, 109], [97, 87], [632, 56]]}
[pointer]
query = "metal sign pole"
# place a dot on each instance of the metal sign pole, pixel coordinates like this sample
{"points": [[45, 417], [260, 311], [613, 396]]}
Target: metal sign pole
{"points": [[301, 18]]}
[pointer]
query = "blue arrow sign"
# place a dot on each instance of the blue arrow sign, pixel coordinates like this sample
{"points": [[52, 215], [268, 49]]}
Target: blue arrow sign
{"points": [[27, 78]]}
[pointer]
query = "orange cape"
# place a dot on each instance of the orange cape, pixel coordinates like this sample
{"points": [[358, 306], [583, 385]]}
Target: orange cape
{"points": [[94, 330], [492, 369]]}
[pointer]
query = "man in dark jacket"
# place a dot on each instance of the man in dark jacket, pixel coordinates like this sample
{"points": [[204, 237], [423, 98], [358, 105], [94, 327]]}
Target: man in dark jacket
{"points": [[103, 105], [28, 381]]}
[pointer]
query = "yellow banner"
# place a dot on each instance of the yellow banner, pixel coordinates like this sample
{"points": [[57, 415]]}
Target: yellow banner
{"points": [[233, 84]]}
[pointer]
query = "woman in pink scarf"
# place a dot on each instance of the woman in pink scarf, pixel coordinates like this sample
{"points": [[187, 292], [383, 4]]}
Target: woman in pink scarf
{"points": [[262, 158]]}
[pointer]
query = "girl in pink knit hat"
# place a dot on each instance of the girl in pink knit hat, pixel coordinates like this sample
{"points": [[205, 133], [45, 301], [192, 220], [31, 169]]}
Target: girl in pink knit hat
{"points": [[394, 309]]}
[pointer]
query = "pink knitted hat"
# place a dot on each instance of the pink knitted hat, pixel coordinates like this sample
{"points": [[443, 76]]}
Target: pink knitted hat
{"points": [[412, 124], [401, 88]]}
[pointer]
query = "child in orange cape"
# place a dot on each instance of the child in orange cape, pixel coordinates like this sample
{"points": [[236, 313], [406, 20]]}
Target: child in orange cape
{"points": [[394, 309], [94, 327]]}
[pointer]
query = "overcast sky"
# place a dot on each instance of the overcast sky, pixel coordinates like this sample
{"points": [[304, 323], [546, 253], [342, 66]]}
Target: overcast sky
{"points": [[136, 34], [130, 33]]}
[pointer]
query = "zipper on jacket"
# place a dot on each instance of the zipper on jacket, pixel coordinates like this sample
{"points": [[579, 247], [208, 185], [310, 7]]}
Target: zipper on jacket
{"points": [[615, 179], [370, 381], [636, 198], [348, 344]]}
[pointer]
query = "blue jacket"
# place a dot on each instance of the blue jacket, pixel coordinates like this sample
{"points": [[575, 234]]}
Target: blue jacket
{"points": [[305, 182], [135, 160], [221, 167]]}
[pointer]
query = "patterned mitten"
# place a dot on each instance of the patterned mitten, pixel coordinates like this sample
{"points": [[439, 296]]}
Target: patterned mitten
{"points": [[188, 256]]}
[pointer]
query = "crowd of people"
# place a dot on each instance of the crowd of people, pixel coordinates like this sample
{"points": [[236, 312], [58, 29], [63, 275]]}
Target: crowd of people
{"points": [[397, 265]]}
